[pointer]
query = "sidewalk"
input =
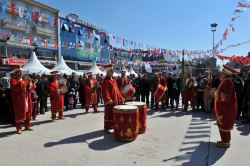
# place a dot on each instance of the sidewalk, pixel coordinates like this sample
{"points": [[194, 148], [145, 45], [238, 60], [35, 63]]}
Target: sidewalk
{"points": [[172, 138]]}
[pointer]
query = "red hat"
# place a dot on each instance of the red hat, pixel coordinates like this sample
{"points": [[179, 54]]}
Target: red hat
{"points": [[54, 73], [18, 69], [108, 67], [228, 70]]}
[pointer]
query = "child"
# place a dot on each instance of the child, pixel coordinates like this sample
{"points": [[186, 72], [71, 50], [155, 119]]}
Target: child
{"points": [[71, 100], [208, 97], [174, 96]]}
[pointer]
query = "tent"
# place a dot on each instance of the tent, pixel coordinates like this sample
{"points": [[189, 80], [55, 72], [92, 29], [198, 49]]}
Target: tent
{"points": [[124, 69], [34, 66], [62, 68], [95, 69], [132, 72]]}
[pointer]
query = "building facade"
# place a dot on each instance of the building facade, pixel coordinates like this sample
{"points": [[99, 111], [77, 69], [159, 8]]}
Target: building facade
{"points": [[81, 43], [27, 26]]}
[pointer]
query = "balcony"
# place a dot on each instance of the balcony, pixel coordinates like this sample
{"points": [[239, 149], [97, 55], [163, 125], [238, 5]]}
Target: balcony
{"points": [[14, 26], [44, 32]]}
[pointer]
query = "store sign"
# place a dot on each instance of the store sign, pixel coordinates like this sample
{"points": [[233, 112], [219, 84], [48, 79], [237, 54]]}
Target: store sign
{"points": [[14, 61], [8, 67], [47, 63]]}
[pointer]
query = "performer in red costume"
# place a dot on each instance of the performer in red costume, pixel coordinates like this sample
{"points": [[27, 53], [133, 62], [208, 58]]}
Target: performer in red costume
{"points": [[56, 97], [91, 86], [123, 81], [188, 93], [21, 97], [111, 96], [225, 107]]}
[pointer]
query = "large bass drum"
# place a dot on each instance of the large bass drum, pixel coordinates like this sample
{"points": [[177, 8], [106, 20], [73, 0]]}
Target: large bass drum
{"points": [[160, 91], [128, 91], [142, 114], [126, 122]]}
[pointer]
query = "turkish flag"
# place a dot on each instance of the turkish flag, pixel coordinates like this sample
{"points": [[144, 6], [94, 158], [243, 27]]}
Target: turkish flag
{"points": [[13, 9]]}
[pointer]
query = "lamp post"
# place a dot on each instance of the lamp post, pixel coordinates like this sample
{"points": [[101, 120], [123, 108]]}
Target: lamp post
{"points": [[213, 29]]}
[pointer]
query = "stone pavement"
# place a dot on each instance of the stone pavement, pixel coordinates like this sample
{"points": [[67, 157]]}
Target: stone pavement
{"points": [[172, 138]]}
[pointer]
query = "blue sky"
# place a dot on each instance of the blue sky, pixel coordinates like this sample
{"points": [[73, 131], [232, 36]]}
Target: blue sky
{"points": [[169, 24]]}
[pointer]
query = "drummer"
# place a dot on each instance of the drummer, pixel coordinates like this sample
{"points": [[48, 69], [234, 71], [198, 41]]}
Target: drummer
{"points": [[111, 96], [56, 97], [124, 80], [91, 87]]}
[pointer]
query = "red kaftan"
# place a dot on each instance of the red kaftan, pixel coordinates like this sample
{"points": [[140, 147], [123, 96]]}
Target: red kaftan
{"points": [[112, 97]]}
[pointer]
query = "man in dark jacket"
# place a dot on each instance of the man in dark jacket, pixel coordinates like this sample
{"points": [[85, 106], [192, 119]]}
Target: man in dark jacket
{"points": [[246, 99], [170, 81], [42, 92], [144, 86], [174, 96], [74, 84], [239, 85]]}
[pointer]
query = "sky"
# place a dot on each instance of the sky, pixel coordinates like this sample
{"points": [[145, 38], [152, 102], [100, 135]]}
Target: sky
{"points": [[167, 24]]}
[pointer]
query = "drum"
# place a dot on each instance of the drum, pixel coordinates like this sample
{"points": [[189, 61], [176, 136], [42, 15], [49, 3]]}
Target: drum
{"points": [[160, 91], [142, 115], [126, 122], [128, 91]]}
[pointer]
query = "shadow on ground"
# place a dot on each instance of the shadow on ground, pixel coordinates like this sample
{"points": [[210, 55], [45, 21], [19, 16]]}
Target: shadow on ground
{"points": [[243, 128], [200, 156], [106, 141], [172, 114]]}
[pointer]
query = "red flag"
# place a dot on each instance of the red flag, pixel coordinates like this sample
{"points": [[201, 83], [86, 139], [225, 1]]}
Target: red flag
{"points": [[242, 4], [55, 43], [102, 35], [13, 8], [225, 34], [36, 17], [123, 42], [55, 21], [67, 45], [31, 38], [89, 46]]}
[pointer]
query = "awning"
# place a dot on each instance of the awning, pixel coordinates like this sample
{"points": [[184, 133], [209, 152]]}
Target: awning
{"points": [[65, 27]]}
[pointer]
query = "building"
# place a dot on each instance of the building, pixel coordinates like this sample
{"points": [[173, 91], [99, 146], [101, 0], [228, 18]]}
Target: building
{"points": [[81, 43], [27, 25], [121, 56]]}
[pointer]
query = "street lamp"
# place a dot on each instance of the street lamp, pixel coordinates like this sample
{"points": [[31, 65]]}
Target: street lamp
{"points": [[213, 29]]}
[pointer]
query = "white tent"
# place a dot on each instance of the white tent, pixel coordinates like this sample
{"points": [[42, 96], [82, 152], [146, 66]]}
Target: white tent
{"points": [[62, 68], [95, 69], [124, 69], [132, 72], [34, 66]]}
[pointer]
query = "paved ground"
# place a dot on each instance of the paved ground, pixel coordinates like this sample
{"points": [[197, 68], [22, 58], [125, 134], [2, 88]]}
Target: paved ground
{"points": [[172, 138]]}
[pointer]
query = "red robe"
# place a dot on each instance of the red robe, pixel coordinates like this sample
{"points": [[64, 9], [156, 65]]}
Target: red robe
{"points": [[21, 97], [91, 98], [226, 106], [112, 97], [55, 97]]}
